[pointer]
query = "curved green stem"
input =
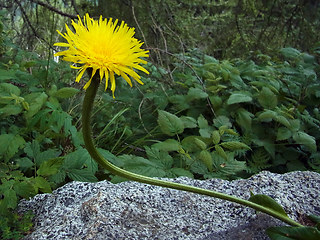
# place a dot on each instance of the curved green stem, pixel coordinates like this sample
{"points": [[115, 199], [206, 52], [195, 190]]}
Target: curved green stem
{"points": [[86, 128]]}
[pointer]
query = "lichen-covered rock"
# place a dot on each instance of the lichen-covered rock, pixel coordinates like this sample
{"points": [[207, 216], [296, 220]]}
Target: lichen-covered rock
{"points": [[131, 210]]}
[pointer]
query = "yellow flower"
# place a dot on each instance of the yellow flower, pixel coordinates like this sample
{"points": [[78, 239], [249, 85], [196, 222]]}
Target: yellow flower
{"points": [[104, 47]]}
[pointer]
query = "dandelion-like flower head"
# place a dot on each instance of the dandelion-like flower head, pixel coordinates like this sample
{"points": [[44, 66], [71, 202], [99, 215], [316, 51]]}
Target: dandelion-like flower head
{"points": [[104, 47]]}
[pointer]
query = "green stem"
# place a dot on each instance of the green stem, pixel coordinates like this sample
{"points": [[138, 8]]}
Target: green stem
{"points": [[86, 128]]}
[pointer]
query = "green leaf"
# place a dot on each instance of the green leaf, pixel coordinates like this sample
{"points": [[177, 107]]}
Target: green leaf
{"points": [[6, 74], [267, 115], [283, 120], [161, 158], [66, 92], [305, 139], [189, 143], [268, 202], [83, 175], [24, 189], [9, 199], [239, 97], [206, 158], [290, 53], [10, 144], [169, 124], [222, 121], [7, 89], [179, 172], [41, 184], [215, 136], [196, 93], [24, 164], [293, 233], [233, 145], [188, 122], [283, 134], [267, 98], [50, 167], [168, 145], [244, 119], [221, 152], [35, 101], [202, 145], [10, 110]]}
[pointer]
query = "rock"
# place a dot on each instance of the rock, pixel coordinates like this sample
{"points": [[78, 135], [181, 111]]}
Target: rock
{"points": [[131, 210]]}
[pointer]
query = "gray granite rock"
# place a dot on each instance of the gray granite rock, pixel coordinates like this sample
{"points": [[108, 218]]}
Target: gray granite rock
{"points": [[130, 210]]}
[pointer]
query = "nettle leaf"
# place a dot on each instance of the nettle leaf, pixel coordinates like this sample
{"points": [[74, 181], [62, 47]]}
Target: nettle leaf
{"points": [[24, 189], [293, 233], [168, 145], [66, 92], [268, 202], [196, 93], [205, 130], [9, 200], [169, 123], [267, 98], [161, 158], [10, 144], [40, 183], [239, 97], [189, 122], [83, 175], [305, 139], [142, 166], [50, 167]]}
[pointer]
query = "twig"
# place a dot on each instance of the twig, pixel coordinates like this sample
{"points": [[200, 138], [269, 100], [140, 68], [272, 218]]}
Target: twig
{"points": [[54, 9]]}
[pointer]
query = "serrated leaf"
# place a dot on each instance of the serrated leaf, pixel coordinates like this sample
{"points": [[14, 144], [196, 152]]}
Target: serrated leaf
{"points": [[267, 98], [168, 145], [10, 144], [24, 189], [290, 53], [66, 92], [196, 93], [161, 158], [206, 158], [268, 202], [239, 97], [221, 152], [188, 143], [233, 145], [83, 175], [50, 167], [215, 136], [188, 122], [293, 233], [35, 101], [283, 134], [222, 121], [41, 184], [9, 199], [180, 172], [169, 123], [305, 139], [24, 164]]}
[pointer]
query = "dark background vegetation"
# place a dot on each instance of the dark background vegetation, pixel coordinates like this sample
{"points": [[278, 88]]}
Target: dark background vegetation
{"points": [[233, 90]]}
